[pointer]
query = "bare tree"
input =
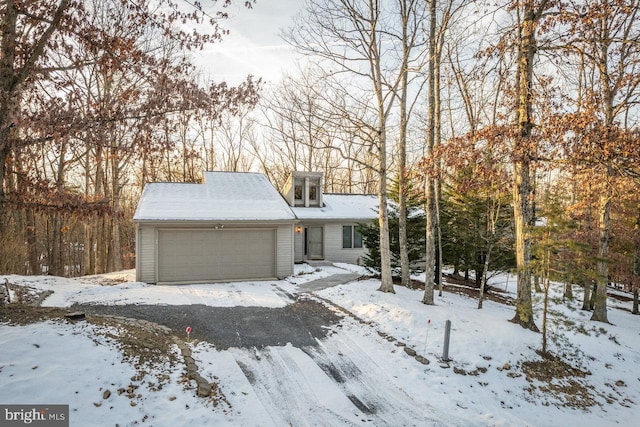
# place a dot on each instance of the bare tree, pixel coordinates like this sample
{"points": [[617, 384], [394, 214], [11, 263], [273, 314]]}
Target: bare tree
{"points": [[350, 38], [529, 14]]}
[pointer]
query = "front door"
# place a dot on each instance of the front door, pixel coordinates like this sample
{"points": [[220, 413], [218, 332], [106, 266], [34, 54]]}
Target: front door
{"points": [[315, 242]]}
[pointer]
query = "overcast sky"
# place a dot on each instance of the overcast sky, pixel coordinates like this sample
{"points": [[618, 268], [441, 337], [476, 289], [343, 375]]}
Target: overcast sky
{"points": [[254, 45]]}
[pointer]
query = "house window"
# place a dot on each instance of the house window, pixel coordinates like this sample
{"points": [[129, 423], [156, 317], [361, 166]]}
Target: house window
{"points": [[298, 192], [351, 237], [313, 193]]}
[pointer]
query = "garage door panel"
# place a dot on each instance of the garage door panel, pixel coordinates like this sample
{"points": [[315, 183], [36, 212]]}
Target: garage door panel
{"points": [[213, 255]]}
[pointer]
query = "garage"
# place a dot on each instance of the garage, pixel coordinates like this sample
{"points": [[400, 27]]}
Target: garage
{"points": [[234, 226], [209, 255]]}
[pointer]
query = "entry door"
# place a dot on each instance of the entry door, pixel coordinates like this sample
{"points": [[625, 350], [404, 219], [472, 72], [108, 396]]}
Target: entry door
{"points": [[316, 243]]}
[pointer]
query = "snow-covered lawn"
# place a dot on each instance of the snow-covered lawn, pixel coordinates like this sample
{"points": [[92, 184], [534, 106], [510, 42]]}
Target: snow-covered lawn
{"points": [[352, 377]]}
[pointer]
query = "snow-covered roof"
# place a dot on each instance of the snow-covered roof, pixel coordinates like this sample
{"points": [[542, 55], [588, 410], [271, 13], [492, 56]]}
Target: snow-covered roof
{"points": [[341, 206], [224, 196]]}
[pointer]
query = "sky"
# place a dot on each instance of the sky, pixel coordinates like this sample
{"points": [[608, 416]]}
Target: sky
{"points": [[254, 45]]}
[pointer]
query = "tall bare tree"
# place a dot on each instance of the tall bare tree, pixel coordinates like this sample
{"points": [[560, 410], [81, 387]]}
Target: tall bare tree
{"points": [[529, 14], [351, 37]]}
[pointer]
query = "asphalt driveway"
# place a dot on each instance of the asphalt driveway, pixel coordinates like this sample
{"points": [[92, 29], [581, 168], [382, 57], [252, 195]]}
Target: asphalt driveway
{"points": [[300, 323]]}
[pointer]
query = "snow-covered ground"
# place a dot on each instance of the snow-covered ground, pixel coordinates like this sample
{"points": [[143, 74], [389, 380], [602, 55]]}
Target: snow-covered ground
{"points": [[352, 377]]}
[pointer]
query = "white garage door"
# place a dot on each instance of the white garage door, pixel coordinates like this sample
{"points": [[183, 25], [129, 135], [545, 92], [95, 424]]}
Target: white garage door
{"points": [[214, 255]]}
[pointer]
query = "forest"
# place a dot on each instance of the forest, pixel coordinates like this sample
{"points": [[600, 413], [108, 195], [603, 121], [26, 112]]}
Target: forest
{"points": [[513, 125]]}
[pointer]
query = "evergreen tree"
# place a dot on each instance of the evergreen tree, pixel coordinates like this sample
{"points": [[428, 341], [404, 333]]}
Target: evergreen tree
{"points": [[415, 229]]}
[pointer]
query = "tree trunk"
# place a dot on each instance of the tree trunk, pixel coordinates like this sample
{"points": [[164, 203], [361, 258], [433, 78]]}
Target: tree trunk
{"points": [[545, 309], [57, 263], [592, 299], [4, 154], [430, 252], [437, 128], [522, 213], [430, 193], [536, 283], [386, 281], [587, 294], [32, 247], [438, 276], [402, 174], [485, 270], [636, 268], [568, 290], [522, 206], [8, 100], [600, 305], [115, 252]]}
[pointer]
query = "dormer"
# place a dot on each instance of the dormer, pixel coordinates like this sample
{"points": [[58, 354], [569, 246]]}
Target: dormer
{"points": [[304, 189]]}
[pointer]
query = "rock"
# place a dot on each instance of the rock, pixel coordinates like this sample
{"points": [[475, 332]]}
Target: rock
{"points": [[505, 367], [620, 383], [400, 344], [106, 394], [192, 369], [204, 388], [77, 315], [459, 371], [172, 398], [132, 403], [410, 351], [422, 360], [97, 404]]}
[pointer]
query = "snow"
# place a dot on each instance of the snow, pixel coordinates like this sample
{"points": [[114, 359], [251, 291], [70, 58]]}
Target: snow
{"points": [[224, 196], [68, 292], [341, 206], [354, 376]]}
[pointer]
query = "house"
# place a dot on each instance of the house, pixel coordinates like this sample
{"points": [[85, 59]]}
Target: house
{"points": [[237, 226]]}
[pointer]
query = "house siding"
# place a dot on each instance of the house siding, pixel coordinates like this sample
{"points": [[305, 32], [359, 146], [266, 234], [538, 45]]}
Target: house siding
{"points": [[146, 254], [285, 245], [332, 243], [333, 249]]}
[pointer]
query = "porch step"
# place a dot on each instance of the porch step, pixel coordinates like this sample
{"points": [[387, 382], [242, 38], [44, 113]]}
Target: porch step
{"points": [[318, 263]]}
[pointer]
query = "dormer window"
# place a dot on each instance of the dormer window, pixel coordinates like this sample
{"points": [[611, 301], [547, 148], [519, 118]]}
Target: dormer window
{"points": [[304, 189]]}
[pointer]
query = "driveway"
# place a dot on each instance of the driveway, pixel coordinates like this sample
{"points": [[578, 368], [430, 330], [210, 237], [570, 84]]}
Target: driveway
{"points": [[307, 364], [301, 323]]}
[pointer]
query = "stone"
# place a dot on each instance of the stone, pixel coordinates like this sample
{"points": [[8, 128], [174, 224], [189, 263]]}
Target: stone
{"points": [[204, 388], [106, 394], [410, 351], [76, 315], [422, 360]]}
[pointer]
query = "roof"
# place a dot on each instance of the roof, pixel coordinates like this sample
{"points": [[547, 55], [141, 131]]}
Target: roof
{"points": [[224, 196], [342, 206]]}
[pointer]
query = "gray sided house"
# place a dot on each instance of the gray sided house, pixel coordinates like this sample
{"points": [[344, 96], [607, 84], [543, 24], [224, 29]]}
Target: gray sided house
{"points": [[236, 226]]}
